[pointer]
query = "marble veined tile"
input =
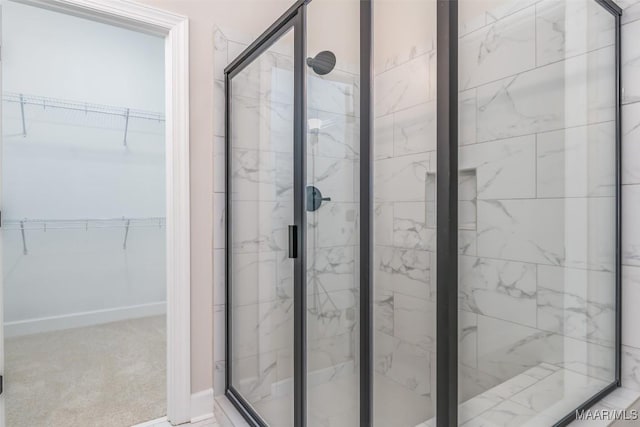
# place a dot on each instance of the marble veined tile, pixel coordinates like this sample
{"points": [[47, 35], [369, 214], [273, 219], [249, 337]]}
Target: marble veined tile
{"points": [[559, 393], [541, 371], [630, 313], [218, 108], [383, 136], [467, 242], [631, 10], [506, 349], [383, 310], [502, 289], [591, 359], [631, 143], [254, 375], [631, 367], [403, 362], [499, 9], [260, 125], [631, 238], [414, 129], [404, 86], [414, 321], [505, 169], [330, 314], [334, 224], [221, 48], [505, 414], [219, 221], [503, 48], [570, 232], [330, 352], [467, 111], [402, 178], [577, 303], [473, 382], [570, 28], [468, 338], [409, 226], [334, 93], [574, 92], [383, 223], [630, 63], [332, 135], [395, 405], [577, 162], [255, 277], [263, 327], [260, 226], [261, 175], [219, 164], [419, 25], [472, 408], [335, 178], [406, 271], [333, 267]]}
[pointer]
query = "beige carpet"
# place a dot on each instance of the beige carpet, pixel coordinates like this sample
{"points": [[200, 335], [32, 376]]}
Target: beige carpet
{"points": [[111, 375]]}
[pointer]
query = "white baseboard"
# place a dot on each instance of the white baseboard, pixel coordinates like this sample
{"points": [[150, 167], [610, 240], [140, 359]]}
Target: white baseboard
{"points": [[202, 405], [87, 318]]}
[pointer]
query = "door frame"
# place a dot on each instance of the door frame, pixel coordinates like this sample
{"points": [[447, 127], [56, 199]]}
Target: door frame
{"points": [[174, 29], [293, 19]]}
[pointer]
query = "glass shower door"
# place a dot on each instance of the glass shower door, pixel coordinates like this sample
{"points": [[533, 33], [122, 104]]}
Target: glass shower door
{"points": [[260, 210]]}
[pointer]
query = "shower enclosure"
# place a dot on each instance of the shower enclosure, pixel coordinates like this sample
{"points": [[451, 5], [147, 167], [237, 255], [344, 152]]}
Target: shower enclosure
{"points": [[423, 203]]}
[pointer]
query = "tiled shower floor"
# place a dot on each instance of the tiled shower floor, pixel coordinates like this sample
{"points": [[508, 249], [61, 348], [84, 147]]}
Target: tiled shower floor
{"points": [[538, 397]]}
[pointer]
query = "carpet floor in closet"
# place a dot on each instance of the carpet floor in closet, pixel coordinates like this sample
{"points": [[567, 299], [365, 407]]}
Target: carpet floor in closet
{"points": [[109, 375]]}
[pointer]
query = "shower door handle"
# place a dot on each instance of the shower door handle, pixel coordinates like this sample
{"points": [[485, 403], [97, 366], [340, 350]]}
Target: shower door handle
{"points": [[293, 241]]}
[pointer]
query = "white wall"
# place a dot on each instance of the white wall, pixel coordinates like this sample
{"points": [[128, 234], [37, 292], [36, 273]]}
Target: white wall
{"points": [[72, 165]]}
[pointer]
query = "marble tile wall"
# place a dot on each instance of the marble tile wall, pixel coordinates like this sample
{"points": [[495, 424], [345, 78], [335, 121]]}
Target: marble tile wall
{"points": [[630, 193], [404, 205], [536, 198], [536, 125]]}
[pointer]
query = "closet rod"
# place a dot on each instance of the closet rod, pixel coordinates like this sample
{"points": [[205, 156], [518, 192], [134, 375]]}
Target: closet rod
{"points": [[45, 102]]}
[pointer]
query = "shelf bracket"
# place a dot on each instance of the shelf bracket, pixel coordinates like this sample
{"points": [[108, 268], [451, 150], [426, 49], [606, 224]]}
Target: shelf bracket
{"points": [[24, 123], [24, 239], [126, 234], [126, 126]]}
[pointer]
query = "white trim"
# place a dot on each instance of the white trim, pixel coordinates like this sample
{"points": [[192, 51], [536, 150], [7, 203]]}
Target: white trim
{"points": [[153, 423], [201, 406], [175, 29], [86, 318]]}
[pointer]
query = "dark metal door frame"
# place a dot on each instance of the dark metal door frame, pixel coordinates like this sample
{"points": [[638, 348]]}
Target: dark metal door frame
{"points": [[294, 19]]}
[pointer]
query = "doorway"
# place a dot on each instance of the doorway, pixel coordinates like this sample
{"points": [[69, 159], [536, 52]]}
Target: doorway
{"points": [[138, 312]]}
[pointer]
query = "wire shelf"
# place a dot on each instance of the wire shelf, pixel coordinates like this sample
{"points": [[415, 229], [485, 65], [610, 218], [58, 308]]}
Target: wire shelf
{"points": [[83, 223], [46, 102], [24, 225]]}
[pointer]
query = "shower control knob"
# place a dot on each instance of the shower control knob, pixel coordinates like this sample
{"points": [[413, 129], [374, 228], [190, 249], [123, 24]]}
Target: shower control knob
{"points": [[315, 199]]}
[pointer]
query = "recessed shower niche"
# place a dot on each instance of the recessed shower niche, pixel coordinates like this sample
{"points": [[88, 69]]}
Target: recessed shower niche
{"points": [[387, 269]]}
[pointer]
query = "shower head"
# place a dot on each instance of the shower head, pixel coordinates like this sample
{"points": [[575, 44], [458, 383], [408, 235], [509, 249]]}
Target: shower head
{"points": [[323, 63]]}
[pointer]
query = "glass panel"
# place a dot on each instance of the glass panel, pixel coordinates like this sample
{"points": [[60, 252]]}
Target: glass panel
{"points": [[332, 226], [404, 212], [536, 208], [261, 181]]}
